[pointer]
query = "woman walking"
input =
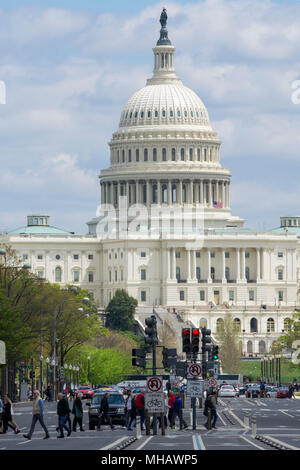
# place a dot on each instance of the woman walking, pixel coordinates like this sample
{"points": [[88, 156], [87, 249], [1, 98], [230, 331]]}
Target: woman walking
{"points": [[77, 412], [132, 414], [8, 420]]}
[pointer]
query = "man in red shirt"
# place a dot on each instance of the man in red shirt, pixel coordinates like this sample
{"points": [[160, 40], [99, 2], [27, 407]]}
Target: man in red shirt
{"points": [[140, 407], [171, 406]]}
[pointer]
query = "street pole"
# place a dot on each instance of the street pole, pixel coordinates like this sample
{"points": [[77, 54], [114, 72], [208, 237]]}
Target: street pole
{"points": [[154, 374], [32, 379]]}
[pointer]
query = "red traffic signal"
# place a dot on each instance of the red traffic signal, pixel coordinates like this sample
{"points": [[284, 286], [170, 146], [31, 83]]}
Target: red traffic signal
{"points": [[186, 340], [195, 340]]}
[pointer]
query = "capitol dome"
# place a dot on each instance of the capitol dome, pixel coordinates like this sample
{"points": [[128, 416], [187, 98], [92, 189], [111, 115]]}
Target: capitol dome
{"points": [[165, 103]]}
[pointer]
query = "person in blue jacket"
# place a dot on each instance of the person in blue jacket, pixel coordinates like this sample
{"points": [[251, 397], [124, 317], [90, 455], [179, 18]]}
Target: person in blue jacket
{"points": [[177, 412]]}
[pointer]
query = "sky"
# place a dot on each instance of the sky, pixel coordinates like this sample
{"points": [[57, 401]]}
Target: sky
{"points": [[69, 67]]}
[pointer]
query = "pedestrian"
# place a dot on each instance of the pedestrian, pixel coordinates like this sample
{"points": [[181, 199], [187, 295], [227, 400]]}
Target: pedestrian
{"points": [[262, 390], [1, 411], [37, 415], [63, 411], [140, 407], [77, 412], [128, 403], [49, 393], [132, 414], [171, 406], [8, 420], [104, 412], [291, 393], [210, 404], [177, 412]]}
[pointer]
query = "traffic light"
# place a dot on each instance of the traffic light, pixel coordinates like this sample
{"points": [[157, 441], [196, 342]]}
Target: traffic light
{"points": [[186, 340], [140, 357], [195, 340], [215, 353], [151, 331], [206, 339], [169, 358]]}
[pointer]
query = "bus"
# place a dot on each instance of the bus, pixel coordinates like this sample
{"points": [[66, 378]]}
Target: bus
{"points": [[230, 379]]}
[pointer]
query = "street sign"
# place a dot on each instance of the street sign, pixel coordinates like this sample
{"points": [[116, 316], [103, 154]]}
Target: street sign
{"points": [[194, 370], [155, 384], [154, 402], [194, 388], [2, 353], [212, 382]]}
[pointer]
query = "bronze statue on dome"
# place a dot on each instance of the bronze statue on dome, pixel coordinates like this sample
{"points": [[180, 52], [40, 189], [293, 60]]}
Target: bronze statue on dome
{"points": [[163, 18]]}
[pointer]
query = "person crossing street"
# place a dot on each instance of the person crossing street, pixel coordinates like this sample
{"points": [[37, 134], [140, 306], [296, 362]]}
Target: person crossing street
{"points": [[63, 411], [37, 415], [103, 412]]}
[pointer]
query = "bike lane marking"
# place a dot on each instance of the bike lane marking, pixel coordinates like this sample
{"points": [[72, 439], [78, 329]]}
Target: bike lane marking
{"points": [[252, 443], [144, 443], [198, 443], [115, 443]]}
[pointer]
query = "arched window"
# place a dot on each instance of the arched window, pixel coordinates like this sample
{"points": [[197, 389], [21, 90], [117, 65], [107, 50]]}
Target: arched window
{"points": [[249, 347], [164, 191], [270, 325], [237, 324], [253, 325], [261, 347], [203, 323], [280, 274], [58, 274], [220, 325], [173, 154], [174, 193]]}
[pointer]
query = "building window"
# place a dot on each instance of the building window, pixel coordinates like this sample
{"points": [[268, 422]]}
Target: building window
{"points": [[212, 254], [251, 295], [270, 325], [91, 276], [39, 256], [90, 256], [143, 274], [181, 295], [116, 275], [178, 273], [164, 154], [247, 273], [154, 155], [173, 154], [191, 154], [58, 274], [123, 156], [182, 154], [76, 276], [143, 296], [227, 254], [40, 274], [280, 296], [280, 254], [280, 274], [143, 254], [227, 273], [177, 254], [145, 155], [75, 256], [109, 276], [202, 295], [129, 155], [198, 273], [197, 254], [137, 155], [25, 257], [231, 295], [121, 274], [247, 254]]}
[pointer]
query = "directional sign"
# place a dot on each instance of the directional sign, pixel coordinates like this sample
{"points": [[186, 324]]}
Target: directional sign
{"points": [[194, 370], [212, 382], [194, 388], [154, 402], [154, 384]]}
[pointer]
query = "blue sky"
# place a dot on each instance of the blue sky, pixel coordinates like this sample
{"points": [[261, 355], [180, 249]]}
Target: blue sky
{"points": [[70, 66]]}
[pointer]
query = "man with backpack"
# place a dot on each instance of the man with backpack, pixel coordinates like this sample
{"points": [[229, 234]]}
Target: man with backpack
{"points": [[140, 407], [210, 406]]}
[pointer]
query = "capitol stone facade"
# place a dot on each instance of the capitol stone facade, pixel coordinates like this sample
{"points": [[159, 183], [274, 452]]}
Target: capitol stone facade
{"points": [[166, 154]]}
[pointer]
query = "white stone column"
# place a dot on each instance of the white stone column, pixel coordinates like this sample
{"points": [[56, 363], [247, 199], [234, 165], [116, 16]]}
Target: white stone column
{"points": [[173, 264], [180, 192], [201, 192], [208, 265], [148, 193], [263, 260], [168, 264], [238, 268], [191, 195], [223, 265], [194, 278], [257, 264], [158, 192], [169, 193], [188, 257], [210, 194], [217, 190], [243, 277], [136, 192]]}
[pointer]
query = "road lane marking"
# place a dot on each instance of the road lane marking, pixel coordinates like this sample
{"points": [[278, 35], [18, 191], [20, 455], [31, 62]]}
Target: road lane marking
{"points": [[283, 411], [144, 443], [282, 443], [198, 443], [252, 443], [220, 416], [115, 443]]}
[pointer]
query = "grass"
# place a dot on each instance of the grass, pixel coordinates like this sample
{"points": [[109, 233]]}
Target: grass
{"points": [[252, 369]]}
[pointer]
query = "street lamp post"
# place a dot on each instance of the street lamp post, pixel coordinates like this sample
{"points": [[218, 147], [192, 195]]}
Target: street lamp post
{"points": [[89, 369], [70, 376]]}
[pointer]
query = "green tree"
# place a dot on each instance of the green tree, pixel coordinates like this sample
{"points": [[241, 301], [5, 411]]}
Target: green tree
{"points": [[121, 311], [227, 339]]}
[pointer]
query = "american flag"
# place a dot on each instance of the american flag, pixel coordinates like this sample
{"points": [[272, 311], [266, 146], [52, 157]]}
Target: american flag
{"points": [[218, 204]]}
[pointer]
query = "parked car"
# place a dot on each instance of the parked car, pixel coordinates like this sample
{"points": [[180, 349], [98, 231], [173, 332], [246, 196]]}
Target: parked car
{"points": [[227, 391], [86, 390], [116, 408], [271, 392], [282, 392], [242, 389]]}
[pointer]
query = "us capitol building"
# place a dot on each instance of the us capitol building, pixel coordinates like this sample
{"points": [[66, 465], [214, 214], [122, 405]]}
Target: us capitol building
{"points": [[165, 154]]}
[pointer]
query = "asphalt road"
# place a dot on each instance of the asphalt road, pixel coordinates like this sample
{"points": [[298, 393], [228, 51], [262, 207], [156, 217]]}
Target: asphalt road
{"points": [[277, 420]]}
